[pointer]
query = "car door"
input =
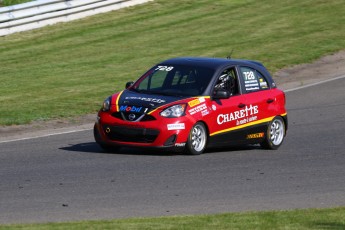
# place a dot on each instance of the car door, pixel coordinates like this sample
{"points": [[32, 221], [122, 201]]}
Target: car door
{"points": [[258, 94], [228, 113]]}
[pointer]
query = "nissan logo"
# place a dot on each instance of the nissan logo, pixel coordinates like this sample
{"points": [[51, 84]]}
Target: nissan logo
{"points": [[131, 116]]}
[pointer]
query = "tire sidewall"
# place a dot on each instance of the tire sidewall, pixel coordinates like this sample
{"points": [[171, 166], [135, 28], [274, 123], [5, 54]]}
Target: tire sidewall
{"points": [[268, 144], [189, 148]]}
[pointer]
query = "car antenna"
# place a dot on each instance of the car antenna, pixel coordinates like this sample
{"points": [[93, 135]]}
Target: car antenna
{"points": [[230, 54]]}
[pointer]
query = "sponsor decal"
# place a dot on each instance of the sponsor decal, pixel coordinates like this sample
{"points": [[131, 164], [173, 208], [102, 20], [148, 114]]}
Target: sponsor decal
{"points": [[255, 135], [214, 107], [204, 112], [263, 84], [180, 144], [126, 108], [197, 109], [177, 126], [246, 120], [155, 100], [241, 117], [196, 101]]}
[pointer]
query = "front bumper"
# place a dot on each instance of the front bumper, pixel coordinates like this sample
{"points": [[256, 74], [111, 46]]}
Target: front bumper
{"points": [[157, 133], [129, 134]]}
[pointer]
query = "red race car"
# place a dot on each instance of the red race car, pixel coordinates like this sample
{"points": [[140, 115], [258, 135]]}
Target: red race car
{"points": [[191, 103]]}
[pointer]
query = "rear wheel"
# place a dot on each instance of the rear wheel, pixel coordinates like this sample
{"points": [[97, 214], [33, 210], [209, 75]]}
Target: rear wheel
{"points": [[197, 139], [275, 134]]}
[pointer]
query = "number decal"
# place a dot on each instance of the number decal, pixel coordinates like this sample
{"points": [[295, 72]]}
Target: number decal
{"points": [[249, 76], [164, 68]]}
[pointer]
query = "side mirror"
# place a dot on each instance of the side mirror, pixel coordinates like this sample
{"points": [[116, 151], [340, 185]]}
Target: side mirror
{"points": [[129, 84], [221, 94]]}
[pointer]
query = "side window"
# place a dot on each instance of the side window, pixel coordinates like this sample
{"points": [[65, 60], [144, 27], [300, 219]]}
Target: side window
{"points": [[253, 80], [228, 81]]}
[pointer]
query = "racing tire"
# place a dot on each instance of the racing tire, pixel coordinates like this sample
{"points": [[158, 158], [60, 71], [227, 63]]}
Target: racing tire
{"points": [[275, 134], [197, 139], [105, 147]]}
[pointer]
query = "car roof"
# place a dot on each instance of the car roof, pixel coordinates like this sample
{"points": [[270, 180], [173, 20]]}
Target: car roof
{"points": [[218, 63], [213, 63]]}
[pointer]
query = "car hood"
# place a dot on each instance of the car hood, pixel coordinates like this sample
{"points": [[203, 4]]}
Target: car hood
{"points": [[140, 100]]}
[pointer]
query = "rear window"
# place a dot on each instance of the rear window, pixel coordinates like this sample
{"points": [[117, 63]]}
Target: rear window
{"points": [[253, 80]]}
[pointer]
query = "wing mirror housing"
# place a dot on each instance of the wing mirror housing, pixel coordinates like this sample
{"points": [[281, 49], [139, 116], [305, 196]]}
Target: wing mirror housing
{"points": [[129, 84], [221, 94]]}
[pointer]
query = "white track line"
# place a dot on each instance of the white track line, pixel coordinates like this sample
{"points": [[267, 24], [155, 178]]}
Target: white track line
{"points": [[81, 130], [47, 135], [313, 84]]}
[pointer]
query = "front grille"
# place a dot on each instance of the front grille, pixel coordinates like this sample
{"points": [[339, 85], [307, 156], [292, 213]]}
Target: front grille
{"points": [[128, 116], [129, 134], [148, 118]]}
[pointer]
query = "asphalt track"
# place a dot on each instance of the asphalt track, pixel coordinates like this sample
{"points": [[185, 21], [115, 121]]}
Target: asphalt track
{"points": [[67, 177]]}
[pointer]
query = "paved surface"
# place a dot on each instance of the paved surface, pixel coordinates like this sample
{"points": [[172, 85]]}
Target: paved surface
{"points": [[67, 177]]}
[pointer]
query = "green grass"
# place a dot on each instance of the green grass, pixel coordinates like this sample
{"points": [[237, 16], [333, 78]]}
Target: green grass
{"points": [[68, 69], [285, 220], [12, 2]]}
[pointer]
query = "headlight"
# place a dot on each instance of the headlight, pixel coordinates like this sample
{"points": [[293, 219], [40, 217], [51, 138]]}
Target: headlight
{"points": [[106, 104], [174, 111]]}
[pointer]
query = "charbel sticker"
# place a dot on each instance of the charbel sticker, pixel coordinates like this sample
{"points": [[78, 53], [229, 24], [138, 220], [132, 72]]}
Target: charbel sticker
{"points": [[177, 126]]}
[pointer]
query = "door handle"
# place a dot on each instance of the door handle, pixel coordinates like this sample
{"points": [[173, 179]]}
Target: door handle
{"points": [[241, 105], [270, 100]]}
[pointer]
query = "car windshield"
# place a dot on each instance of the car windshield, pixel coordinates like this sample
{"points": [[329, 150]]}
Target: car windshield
{"points": [[174, 80]]}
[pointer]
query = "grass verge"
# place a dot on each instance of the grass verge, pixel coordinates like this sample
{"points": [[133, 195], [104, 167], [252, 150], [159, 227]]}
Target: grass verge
{"points": [[288, 220], [68, 69], [12, 2]]}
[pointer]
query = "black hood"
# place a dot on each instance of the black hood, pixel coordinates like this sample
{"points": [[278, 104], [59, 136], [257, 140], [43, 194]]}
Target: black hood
{"points": [[146, 102]]}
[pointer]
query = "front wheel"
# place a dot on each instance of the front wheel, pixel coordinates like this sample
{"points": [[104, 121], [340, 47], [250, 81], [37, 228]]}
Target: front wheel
{"points": [[197, 139], [275, 134]]}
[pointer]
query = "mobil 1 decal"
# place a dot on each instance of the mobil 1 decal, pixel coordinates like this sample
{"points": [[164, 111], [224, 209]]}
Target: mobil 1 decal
{"points": [[135, 109]]}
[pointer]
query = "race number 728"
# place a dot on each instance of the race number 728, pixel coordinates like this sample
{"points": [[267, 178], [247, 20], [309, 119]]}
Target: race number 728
{"points": [[249, 76], [164, 68]]}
